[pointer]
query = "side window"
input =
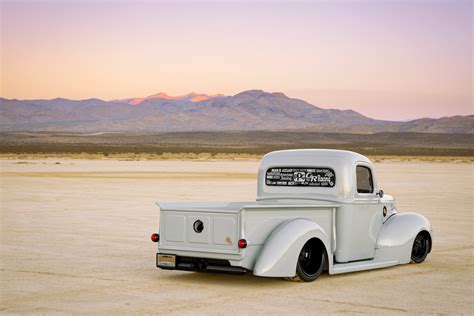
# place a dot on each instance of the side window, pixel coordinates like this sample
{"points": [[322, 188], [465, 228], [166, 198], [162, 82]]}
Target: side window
{"points": [[364, 180]]}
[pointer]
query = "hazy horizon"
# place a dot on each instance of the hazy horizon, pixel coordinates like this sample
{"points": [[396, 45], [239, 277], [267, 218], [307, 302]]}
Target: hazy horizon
{"points": [[392, 60]]}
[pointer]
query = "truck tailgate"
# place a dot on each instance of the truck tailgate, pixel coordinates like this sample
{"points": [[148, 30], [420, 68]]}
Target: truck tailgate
{"points": [[212, 229]]}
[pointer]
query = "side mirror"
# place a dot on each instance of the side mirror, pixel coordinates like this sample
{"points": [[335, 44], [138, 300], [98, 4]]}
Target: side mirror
{"points": [[380, 193]]}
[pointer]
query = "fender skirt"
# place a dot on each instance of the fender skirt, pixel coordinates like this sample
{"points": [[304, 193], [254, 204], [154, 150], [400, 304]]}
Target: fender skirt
{"points": [[279, 255]]}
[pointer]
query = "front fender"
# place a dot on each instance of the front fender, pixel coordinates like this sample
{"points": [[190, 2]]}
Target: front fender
{"points": [[395, 240], [279, 255]]}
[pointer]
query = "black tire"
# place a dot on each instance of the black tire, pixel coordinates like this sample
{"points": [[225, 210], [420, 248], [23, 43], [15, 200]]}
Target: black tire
{"points": [[311, 261], [421, 247]]}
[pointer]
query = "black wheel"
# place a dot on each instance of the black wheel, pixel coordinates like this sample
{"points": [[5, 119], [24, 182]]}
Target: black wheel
{"points": [[310, 261], [421, 247]]}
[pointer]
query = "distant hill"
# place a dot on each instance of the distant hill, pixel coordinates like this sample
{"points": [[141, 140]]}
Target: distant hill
{"points": [[190, 97], [246, 111], [454, 124]]}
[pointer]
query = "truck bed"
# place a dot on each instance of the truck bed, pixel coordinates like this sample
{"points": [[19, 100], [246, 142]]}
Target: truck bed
{"points": [[224, 223]]}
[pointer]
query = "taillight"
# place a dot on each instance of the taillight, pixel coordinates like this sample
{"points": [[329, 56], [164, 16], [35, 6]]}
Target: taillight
{"points": [[242, 243], [155, 237]]}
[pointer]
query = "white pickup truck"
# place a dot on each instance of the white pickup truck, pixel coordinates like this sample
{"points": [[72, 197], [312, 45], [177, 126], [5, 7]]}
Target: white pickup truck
{"points": [[315, 210]]}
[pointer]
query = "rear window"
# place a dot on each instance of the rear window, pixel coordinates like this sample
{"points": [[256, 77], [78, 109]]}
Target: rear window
{"points": [[364, 180], [300, 177]]}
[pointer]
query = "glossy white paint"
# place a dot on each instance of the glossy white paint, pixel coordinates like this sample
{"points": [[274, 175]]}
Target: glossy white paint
{"points": [[280, 252], [352, 226], [397, 235], [342, 162]]}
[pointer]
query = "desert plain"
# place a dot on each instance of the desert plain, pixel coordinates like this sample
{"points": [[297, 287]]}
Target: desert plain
{"points": [[75, 238]]}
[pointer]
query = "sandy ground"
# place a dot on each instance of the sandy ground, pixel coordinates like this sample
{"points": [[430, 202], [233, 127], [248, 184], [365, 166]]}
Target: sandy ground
{"points": [[75, 239]]}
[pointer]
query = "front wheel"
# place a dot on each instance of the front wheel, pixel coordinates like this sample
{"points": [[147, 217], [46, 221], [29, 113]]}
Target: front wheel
{"points": [[421, 247], [311, 261]]}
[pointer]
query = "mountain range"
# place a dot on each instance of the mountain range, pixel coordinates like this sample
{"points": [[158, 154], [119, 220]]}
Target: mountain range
{"points": [[245, 111]]}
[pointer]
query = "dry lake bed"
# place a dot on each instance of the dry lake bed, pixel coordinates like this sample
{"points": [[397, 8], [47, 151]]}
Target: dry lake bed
{"points": [[75, 239]]}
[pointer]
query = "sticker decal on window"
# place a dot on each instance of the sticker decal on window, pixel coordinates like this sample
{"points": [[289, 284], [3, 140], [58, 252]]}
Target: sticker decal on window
{"points": [[300, 177]]}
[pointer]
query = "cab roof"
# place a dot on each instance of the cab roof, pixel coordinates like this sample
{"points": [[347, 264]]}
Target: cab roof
{"points": [[294, 154]]}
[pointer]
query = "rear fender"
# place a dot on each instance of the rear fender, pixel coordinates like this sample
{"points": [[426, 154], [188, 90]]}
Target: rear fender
{"points": [[280, 253], [395, 240]]}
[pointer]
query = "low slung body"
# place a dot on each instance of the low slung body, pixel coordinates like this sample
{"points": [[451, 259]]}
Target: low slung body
{"points": [[315, 210]]}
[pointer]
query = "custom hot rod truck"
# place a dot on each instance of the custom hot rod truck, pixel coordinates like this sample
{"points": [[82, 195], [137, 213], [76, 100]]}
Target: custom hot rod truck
{"points": [[315, 210]]}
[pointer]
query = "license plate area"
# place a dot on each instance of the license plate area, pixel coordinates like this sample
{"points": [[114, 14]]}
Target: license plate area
{"points": [[165, 261]]}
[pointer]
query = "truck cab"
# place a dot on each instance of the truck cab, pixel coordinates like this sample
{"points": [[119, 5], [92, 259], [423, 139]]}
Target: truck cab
{"points": [[315, 210]]}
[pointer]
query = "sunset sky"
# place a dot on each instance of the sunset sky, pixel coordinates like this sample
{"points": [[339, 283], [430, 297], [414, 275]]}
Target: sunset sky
{"points": [[386, 59]]}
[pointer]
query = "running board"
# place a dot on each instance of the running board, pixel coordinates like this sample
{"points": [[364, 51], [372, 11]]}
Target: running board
{"points": [[362, 265]]}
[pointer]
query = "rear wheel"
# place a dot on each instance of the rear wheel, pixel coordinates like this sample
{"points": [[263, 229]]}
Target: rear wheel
{"points": [[421, 247], [310, 261]]}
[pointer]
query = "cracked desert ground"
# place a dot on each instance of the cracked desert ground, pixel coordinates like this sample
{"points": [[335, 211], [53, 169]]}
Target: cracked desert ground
{"points": [[75, 239]]}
